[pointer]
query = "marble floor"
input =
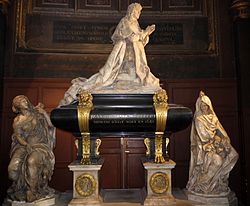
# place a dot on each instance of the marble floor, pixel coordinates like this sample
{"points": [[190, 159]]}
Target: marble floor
{"points": [[64, 198]]}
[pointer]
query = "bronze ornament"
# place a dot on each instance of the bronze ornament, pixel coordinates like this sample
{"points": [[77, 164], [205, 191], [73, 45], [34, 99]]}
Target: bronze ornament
{"points": [[241, 9], [5, 4], [167, 142], [84, 108], [147, 144], [85, 185], [159, 183], [97, 148], [161, 109]]}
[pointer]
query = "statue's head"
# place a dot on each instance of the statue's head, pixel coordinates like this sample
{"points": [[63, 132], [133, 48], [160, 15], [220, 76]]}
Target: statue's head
{"points": [[134, 10], [204, 103], [19, 103]]}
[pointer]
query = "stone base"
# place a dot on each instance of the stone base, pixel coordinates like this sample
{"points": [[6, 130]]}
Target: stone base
{"points": [[85, 201], [228, 200], [160, 200], [47, 201]]}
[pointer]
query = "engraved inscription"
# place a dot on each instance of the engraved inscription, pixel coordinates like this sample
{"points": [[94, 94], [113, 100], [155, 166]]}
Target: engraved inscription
{"points": [[168, 34], [82, 32], [123, 119], [85, 32]]}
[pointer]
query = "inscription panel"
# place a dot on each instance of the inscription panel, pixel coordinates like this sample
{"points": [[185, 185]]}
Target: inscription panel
{"points": [[168, 33], [165, 34], [79, 32], [88, 36]]}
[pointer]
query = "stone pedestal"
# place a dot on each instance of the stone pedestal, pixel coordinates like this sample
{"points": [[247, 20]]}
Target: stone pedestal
{"points": [[224, 200], [85, 184], [47, 201], [159, 187]]}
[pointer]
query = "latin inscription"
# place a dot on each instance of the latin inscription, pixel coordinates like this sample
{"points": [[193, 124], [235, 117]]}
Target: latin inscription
{"points": [[85, 32], [168, 34], [123, 119], [82, 32]]}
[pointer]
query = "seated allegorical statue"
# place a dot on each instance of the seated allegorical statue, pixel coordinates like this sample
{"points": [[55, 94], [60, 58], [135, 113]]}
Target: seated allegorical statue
{"points": [[126, 69], [212, 155], [32, 159]]}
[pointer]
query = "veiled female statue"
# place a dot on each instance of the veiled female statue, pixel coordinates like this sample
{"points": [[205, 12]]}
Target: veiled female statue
{"points": [[126, 69], [32, 159], [212, 155]]}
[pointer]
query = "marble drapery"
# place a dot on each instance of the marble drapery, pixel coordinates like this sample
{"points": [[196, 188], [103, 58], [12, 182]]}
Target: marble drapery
{"points": [[32, 159], [212, 155], [126, 69]]}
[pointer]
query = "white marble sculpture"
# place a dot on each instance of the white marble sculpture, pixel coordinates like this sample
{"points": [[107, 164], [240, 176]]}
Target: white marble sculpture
{"points": [[32, 159], [212, 155], [126, 70]]}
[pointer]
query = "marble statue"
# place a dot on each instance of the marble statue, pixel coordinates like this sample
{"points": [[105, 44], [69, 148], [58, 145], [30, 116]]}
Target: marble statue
{"points": [[32, 159], [212, 155], [126, 69]]}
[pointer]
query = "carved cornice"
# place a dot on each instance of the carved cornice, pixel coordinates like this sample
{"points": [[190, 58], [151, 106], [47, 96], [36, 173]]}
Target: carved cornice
{"points": [[241, 9], [5, 4]]}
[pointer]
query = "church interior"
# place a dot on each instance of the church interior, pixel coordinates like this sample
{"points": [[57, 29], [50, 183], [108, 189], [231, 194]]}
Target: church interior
{"points": [[198, 45]]}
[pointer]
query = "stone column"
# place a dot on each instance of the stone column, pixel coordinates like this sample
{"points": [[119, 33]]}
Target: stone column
{"points": [[85, 184], [159, 186]]}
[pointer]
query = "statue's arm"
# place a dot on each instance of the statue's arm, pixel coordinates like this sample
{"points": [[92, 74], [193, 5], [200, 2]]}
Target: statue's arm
{"points": [[17, 131], [41, 110], [51, 128]]}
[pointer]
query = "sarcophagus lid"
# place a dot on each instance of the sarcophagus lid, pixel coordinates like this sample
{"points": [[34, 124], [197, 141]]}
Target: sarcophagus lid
{"points": [[121, 114]]}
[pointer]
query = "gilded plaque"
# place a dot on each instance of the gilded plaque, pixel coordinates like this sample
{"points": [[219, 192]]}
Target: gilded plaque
{"points": [[159, 183], [85, 185]]}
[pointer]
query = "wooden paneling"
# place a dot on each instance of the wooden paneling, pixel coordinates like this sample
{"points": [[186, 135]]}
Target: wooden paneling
{"points": [[122, 166], [110, 150], [134, 151]]}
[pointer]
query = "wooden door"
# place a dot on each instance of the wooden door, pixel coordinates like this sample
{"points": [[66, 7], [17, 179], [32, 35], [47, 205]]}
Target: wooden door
{"points": [[122, 168]]}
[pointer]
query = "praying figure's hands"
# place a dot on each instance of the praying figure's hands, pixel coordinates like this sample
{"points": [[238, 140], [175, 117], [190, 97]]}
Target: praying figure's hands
{"points": [[150, 29]]}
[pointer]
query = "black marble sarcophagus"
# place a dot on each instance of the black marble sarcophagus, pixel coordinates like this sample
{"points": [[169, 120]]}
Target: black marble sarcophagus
{"points": [[121, 115], [145, 115]]}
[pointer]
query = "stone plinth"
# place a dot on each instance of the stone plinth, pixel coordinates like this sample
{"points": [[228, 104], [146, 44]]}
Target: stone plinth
{"points": [[47, 201], [223, 200], [159, 186], [85, 184]]}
